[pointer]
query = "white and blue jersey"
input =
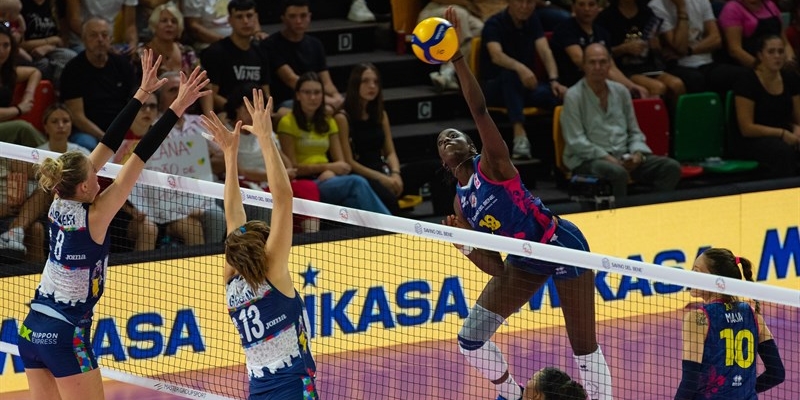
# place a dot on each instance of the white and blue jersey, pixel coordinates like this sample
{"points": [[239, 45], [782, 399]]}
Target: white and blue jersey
{"points": [[729, 352], [74, 276], [509, 209], [274, 334]]}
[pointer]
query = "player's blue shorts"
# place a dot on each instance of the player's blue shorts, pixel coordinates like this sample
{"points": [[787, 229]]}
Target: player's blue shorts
{"points": [[567, 235], [302, 388], [63, 348]]}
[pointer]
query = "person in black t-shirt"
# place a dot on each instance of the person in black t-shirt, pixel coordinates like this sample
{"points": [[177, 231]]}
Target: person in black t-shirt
{"points": [[236, 59], [293, 53]]}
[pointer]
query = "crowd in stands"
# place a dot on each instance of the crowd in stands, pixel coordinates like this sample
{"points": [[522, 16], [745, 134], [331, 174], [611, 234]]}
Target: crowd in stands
{"points": [[588, 58]]}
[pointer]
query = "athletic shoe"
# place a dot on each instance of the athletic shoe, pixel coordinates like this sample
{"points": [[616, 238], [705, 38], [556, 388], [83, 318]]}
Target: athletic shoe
{"points": [[438, 80], [359, 12], [10, 242], [499, 397], [522, 148]]}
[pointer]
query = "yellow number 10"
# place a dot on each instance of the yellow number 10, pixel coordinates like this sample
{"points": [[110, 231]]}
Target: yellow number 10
{"points": [[734, 347]]}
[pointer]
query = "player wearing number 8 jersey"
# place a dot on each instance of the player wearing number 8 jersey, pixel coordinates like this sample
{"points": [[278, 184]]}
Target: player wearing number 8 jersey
{"points": [[722, 337], [263, 304], [55, 338], [490, 197]]}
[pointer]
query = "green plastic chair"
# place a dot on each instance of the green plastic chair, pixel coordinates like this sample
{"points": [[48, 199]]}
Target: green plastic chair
{"points": [[700, 134]]}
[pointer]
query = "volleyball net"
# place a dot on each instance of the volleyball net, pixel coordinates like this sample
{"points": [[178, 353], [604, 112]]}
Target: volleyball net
{"points": [[386, 296]]}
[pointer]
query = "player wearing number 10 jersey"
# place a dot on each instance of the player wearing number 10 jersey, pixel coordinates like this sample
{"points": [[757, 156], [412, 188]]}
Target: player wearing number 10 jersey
{"points": [[722, 337]]}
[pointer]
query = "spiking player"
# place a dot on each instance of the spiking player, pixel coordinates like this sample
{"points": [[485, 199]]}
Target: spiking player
{"points": [[719, 339], [262, 302], [490, 197]]}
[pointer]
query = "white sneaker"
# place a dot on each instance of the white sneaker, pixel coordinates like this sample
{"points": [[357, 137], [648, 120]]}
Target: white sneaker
{"points": [[522, 148], [12, 240], [359, 12], [439, 81]]}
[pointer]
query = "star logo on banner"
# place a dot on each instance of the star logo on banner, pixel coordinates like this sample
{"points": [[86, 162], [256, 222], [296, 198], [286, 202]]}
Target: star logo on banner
{"points": [[310, 276]]}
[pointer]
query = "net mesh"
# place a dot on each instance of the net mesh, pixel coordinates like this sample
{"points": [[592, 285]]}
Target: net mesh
{"points": [[387, 296]]}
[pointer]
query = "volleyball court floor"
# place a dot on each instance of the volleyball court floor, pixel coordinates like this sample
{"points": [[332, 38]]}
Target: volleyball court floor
{"points": [[644, 354]]}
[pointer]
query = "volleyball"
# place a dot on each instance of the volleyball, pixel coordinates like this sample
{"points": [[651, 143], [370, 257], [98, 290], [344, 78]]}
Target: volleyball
{"points": [[434, 40]]}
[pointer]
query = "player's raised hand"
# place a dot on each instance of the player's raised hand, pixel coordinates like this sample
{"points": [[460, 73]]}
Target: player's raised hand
{"points": [[190, 90], [227, 140], [261, 114], [150, 81]]}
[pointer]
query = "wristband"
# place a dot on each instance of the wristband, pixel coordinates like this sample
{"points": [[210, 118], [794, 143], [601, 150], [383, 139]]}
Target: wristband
{"points": [[458, 57], [554, 79], [466, 250], [19, 110]]}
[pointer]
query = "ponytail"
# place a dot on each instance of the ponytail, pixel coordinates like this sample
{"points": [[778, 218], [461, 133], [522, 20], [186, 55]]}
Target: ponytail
{"points": [[724, 263]]}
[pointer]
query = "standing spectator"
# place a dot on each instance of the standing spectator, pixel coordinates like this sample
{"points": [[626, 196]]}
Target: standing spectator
{"points": [[744, 23], [633, 31], [43, 39], [235, 59], [166, 24], [307, 135], [125, 36], [689, 35], [601, 134], [471, 26], [16, 131], [293, 53], [571, 38], [96, 84], [768, 112], [507, 61]]}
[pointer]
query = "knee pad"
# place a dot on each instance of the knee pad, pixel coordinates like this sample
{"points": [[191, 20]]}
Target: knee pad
{"points": [[478, 328]]}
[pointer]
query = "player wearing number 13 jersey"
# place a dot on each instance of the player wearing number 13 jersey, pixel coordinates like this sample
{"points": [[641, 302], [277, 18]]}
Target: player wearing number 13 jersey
{"points": [[490, 197], [262, 302], [722, 337]]}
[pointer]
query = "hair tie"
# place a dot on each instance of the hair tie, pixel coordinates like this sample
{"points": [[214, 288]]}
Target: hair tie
{"points": [[737, 260], [242, 229]]}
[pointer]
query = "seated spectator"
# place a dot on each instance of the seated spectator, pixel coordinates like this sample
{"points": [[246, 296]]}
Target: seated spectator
{"points": [[634, 45], [178, 215], [96, 84], [689, 35], [43, 40], [367, 145], [143, 12], [768, 112], [166, 23], [571, 38], [236, 59], [307, 135], [507, 68], [11, 14], [21, 206], [744, 23], [293, 53], [601, 134], [471, 26], [252, 168], [553, 384], [792, 31], [16, 131], [125, 39], [208, 22]]}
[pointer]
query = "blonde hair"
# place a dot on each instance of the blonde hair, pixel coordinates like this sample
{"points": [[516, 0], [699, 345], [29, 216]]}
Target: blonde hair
{"points": [[63, 174], [172, 9]]}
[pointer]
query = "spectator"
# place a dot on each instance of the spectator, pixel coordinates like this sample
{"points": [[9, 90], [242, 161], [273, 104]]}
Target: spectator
{"points": [[181, 217], [307, 135], [252, 168], [601, 134], [208, 22], [166, 24], [471, 26], [633, 31], [16, 131], [11, 14], [235, 59], [21, 206], [143, 12], [507, 67], [43, 39], [768, 112], [125, 39], [744, 23], [571, 38], [689, 35], [96, 84], [293, 53]]}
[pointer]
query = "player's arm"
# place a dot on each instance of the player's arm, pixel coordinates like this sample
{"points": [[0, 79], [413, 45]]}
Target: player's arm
{"points": [[774, 372], [488, 261], [695, 328]]}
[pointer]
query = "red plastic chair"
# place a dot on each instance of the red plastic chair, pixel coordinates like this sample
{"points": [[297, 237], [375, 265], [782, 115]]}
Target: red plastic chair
{"points": [[43, 97], [654, 122]]}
